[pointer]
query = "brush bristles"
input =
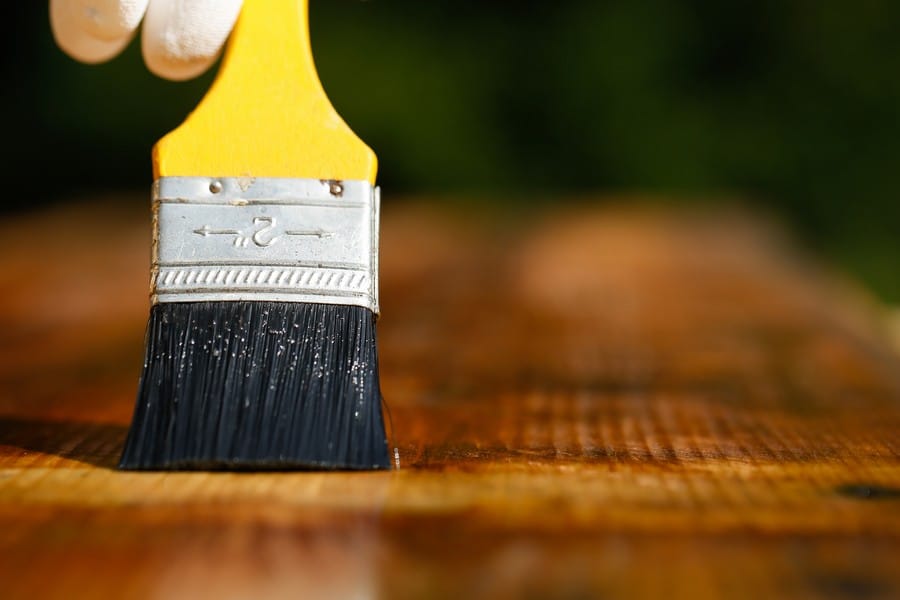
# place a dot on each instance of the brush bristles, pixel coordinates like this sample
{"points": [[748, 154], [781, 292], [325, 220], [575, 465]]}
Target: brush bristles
{"points": [[258, 385]]}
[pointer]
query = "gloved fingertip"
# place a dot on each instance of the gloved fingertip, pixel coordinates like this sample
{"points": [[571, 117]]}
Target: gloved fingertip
{"points": [[181, 40], [96, 31], [175, 69]]}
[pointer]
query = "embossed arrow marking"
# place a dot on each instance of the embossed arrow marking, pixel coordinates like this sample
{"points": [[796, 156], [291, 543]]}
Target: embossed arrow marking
{"points": [[207, 230], [263, 235], [319, 233]]}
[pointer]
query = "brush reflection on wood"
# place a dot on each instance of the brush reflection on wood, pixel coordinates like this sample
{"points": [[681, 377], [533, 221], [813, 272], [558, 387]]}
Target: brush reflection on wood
{"points": [[591, 402]]}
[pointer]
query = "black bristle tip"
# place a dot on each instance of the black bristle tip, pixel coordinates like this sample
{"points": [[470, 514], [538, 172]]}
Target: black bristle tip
{"points": [[258, 386]]}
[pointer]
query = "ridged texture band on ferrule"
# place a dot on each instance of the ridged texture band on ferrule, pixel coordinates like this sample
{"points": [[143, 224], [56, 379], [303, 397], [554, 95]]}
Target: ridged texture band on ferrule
{"points": [[273, 239]]}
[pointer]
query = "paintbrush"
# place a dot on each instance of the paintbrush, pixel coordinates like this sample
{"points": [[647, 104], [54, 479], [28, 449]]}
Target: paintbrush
{"points": [[260, 347]]}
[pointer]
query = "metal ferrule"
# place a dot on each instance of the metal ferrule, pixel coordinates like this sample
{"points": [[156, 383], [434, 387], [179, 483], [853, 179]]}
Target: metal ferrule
{"points": [[282, 240]]}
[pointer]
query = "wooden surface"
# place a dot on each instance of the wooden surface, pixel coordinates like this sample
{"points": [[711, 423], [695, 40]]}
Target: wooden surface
{"points": [[598, 402]]}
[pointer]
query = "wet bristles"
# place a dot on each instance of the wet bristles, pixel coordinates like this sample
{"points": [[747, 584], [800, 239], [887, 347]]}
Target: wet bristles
{"points": [[258, 385]]}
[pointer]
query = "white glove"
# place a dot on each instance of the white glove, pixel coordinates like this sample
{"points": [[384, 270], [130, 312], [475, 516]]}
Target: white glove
{"points": [[180, 38]]}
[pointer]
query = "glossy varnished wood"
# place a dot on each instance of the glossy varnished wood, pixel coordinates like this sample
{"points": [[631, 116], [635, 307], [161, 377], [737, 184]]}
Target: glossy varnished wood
{"points": [[590, 402]]}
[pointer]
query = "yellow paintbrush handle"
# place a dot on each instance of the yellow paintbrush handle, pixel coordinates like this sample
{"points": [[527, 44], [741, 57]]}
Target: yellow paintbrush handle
{"points": [[266, 114]]}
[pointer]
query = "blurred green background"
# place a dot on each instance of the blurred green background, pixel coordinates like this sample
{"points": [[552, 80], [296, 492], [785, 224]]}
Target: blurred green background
{"points": [[793, 106]]}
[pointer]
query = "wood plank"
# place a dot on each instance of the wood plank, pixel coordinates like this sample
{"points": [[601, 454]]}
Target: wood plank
{"points": [[586, 402]]}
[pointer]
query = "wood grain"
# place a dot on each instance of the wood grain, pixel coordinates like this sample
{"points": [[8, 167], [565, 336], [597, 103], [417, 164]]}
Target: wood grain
{"points": [[592, 402]]}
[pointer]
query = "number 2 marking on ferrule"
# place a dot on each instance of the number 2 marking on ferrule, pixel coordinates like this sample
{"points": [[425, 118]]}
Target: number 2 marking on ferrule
{"points": [[259, 236], [262, 236]]}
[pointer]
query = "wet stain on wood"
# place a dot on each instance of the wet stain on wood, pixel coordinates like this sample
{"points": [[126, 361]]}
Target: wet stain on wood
{"points": [[869, 492]]}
